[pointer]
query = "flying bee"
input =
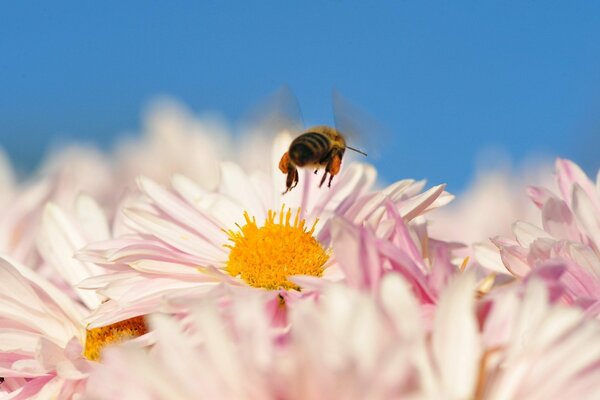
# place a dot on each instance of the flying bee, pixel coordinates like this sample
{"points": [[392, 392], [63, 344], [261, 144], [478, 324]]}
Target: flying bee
{"points": [[320, 146]]}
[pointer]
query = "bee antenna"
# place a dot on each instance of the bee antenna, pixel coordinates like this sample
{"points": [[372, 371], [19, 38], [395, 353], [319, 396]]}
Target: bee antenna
{"points": [[356, 150]]}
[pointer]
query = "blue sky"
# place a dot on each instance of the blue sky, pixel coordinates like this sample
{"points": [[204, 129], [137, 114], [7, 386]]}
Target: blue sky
{"points": [[448, 79]]}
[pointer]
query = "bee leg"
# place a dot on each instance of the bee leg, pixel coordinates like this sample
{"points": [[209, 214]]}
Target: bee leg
{"points": [[333, 167], [295, 179], [284, 163], [324, 177], [316, 170], [291, 180]]}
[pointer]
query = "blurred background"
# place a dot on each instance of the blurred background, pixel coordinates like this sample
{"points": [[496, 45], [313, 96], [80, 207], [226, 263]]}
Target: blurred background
{"points": [[459, 86]]}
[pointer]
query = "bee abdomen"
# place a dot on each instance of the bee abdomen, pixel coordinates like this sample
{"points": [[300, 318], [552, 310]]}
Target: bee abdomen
{"points": [[310, 147]]}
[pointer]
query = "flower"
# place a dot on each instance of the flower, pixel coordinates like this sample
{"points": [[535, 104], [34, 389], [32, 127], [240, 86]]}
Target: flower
{"points": [[179, 236], [570, 236], [46, 342], [350, 344], [486, 208], [45, 346], [38, 324], [341, 346], [535, 349]]}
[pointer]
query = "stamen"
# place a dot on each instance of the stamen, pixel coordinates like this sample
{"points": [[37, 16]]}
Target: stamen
{"points": [[464, 264], [486, 285], [97, 339], [265, 257]]}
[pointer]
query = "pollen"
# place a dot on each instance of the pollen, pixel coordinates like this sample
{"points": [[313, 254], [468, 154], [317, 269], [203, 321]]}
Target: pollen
{"points": [[97, 339], [266, 256]]}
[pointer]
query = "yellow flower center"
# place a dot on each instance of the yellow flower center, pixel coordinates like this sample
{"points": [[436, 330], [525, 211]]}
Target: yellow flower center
{"points": [[98, 338], [265, 257]]}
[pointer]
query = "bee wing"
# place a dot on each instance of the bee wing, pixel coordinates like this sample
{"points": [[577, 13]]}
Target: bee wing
{"points": [[361, 130], [278, 113], [271, 124]]}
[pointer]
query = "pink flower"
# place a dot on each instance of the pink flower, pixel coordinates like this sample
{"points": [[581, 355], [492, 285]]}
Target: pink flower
{"points": [[178, 234], [46, 349], [347, 344], [344, 345], [45, 340], [537, 349], [41, 336], [569, 236]]}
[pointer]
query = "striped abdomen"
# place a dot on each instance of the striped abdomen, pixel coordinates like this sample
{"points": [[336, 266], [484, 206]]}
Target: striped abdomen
{"points": [[310, 148]]}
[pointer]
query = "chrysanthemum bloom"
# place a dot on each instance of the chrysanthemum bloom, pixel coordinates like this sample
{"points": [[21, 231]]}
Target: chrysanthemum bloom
{"points": [[487, 208], [246, 233], [570, 236], [535, 348], [45, 348], [45, 340], [350, 345], [345, 345]]}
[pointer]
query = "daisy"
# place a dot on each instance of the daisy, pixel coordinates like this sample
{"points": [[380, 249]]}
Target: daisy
{"points": [[244, 234], [570, 235]]}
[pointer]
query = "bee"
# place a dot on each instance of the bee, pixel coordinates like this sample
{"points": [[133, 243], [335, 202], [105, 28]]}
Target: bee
{"points": [[319, 146]]}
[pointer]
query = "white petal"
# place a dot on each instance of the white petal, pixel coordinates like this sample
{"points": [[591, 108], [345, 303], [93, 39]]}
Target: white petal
{"points": [[420, 204], [66, 305], [527, 233], [236, 185], [456, 340], [177, 236], [58, 242], [179, 210], [488, 258], [92, 218], [400, 304], [18, 340]]}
